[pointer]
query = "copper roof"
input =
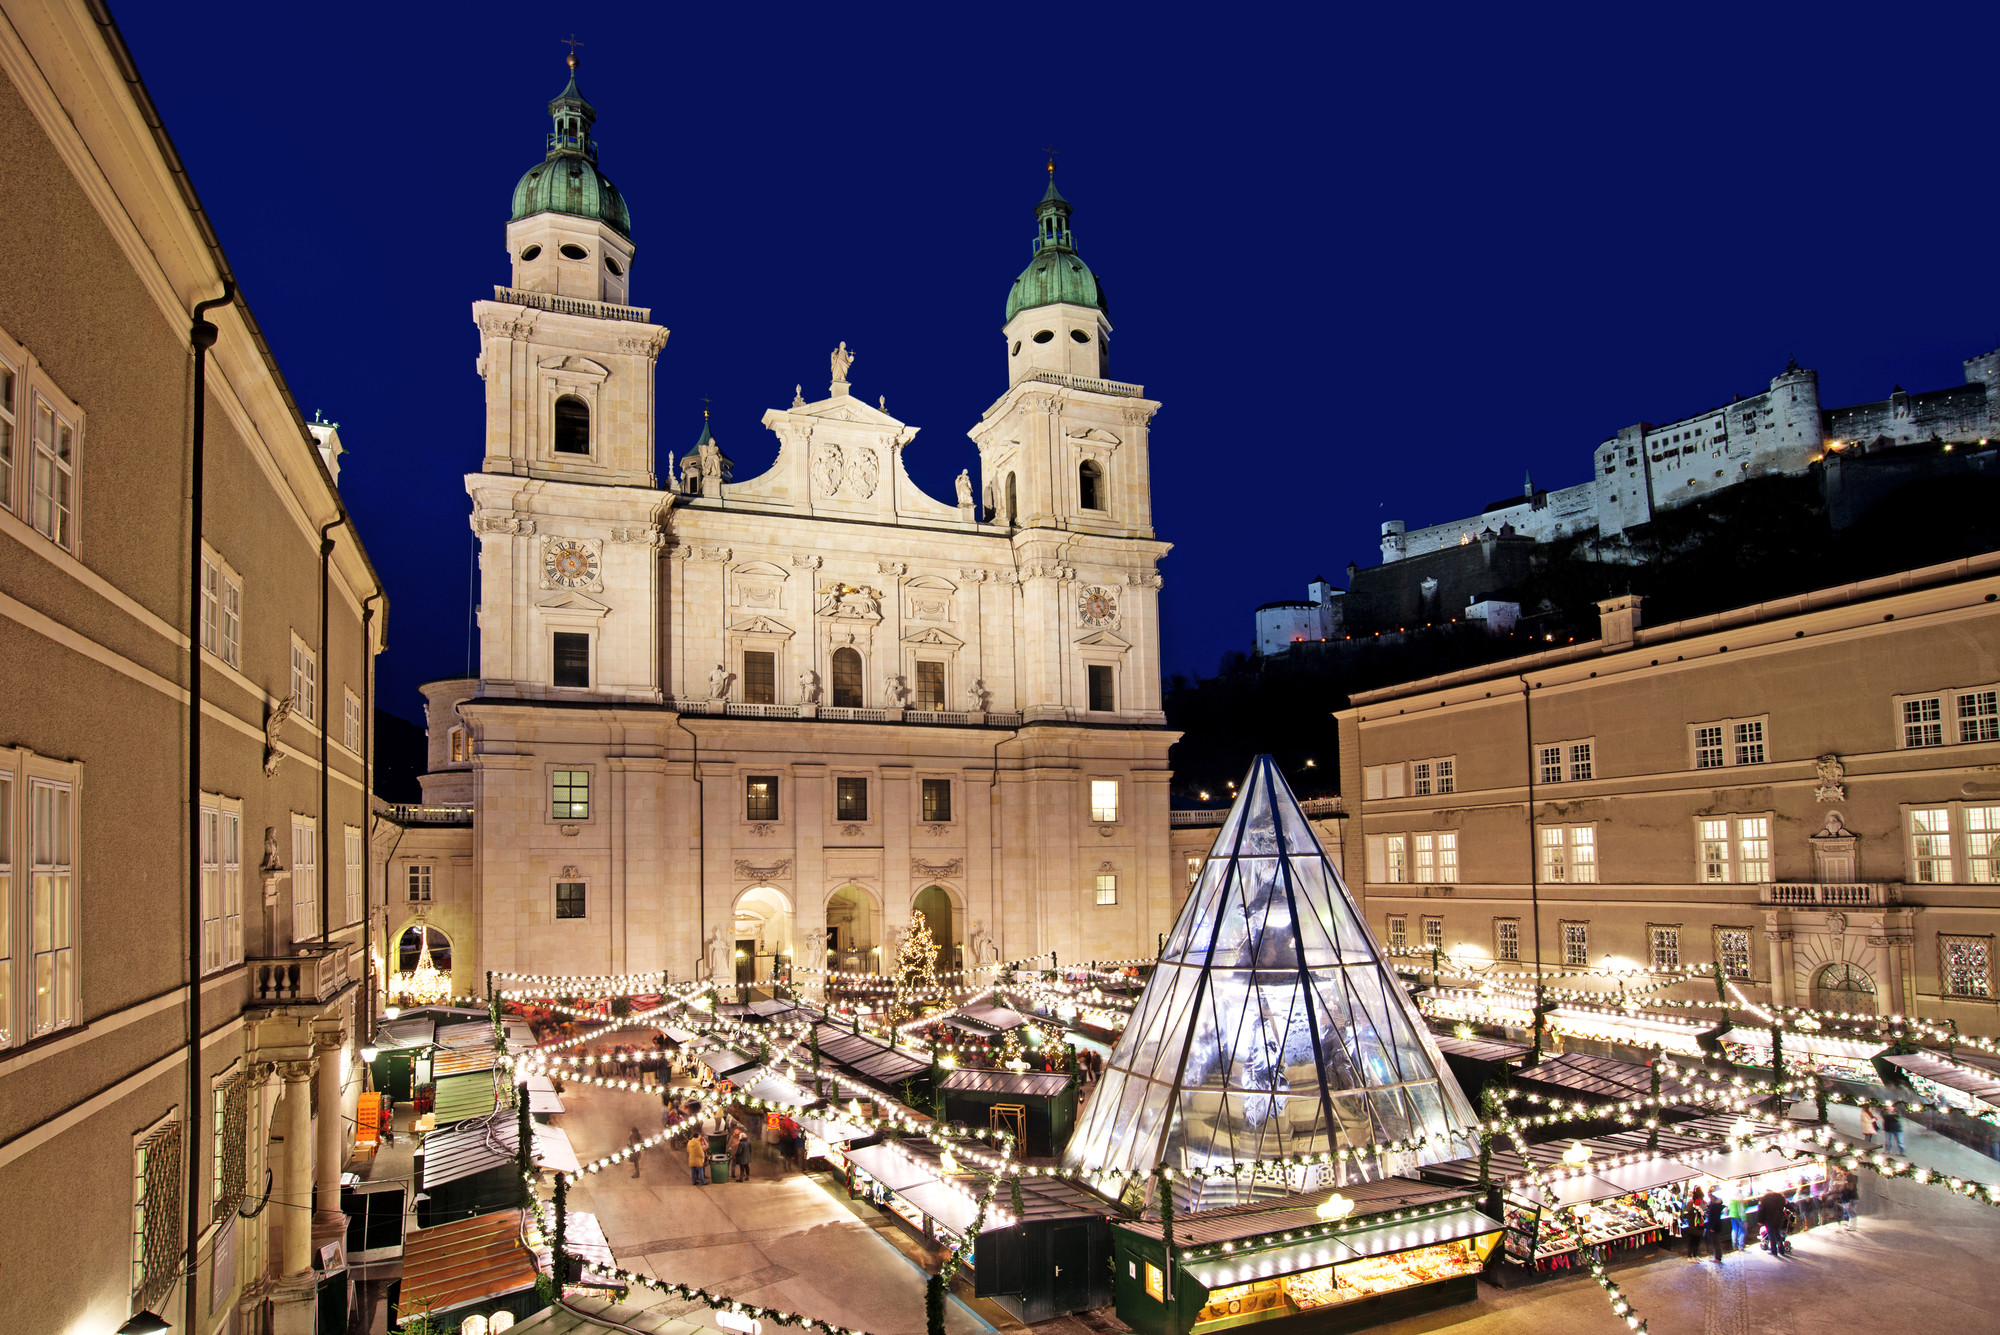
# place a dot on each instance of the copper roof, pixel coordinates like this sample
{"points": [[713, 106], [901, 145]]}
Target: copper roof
{"points": [[469, 1261]]}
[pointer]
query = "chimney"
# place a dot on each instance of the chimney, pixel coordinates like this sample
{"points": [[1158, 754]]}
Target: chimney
{"points": [[1618, 621]]}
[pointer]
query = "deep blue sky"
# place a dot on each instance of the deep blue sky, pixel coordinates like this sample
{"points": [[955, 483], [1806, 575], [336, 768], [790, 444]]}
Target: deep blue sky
{"points": [[1374, 262]]}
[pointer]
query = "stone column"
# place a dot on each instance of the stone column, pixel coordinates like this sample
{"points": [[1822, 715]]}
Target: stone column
{"points": [[1787, 958], [298, 1166], [328, 1156], [1888, 975]]}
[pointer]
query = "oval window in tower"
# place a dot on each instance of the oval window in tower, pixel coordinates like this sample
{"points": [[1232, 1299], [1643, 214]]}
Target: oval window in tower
{"points": [[1079, 336], [1044, 335], [1017, 349], [613, 265], [530, 254], [572, 251]]}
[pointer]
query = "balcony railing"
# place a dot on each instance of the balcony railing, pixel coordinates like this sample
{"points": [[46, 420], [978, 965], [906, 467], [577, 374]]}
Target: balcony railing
{"points": [[1312, 806], [549, 301], [418, 813], [310, 978], [847, 714], [1113, 387], [1823, 895]]}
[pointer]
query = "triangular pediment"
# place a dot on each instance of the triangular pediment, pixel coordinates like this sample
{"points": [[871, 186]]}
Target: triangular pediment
{"points": [[760, 626], [848, 409], [1272, 1027], [576, 365], [932, 635], [569, 600], [1105, 639]]}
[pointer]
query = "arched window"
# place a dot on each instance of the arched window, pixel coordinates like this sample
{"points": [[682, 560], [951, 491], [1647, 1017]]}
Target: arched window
{"points": [[846, 679], [1010, 500], [410, 949], [1090, 485], [1843, 987], [572, 425]]}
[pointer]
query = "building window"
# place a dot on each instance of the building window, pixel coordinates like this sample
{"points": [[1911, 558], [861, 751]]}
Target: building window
{"points": [[350, 732], [569, 792], [52, 906], [9, 1032], [1381, 781], [1734, 849], [1107, 888], [1923, 721], [1564, 762], [351, 846], [1930, 845], [221, 885], [231, 1136], [846, 679], [1949, 717], [1156, 1283], [1666, 946], [54, 474], [572, 425], [1432, 776], [930, 686], [937, 799], [1446, 773], [1420, 778], [1399, 931], [572, 659], [1104, 800], [850, 799], [1011, 508], [1576, 944], [1396, 849], [10, 382], [455, 740], [1979, 716], [1433, 933], [1090, 485], [1194, 867], [305, 680], [156, 1214], [420, 883], [1507, 938], [1103, 698], [305, 878], [1728, 742], [1436, 857], [1569, 854], [569, 899], [1982, 845], [1732, 951], [760, 797], [760, 677], [221, 611], [1965, 965]]}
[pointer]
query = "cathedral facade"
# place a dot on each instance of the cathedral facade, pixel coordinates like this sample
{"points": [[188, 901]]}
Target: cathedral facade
{"points": [[731, 728]]}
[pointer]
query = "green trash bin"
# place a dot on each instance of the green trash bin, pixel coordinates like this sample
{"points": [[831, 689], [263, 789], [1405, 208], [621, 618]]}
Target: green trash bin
{"points": [[718, 1168]]}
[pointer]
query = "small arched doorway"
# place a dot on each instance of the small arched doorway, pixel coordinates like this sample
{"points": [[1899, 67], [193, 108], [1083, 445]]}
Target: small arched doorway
{"points": [[763, 934], [934, 903], [846, 679], [1844, 987], [851, 931]]}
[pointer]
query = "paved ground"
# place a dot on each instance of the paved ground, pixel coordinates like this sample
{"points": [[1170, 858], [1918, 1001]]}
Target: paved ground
{"points": [[1921, 1259]]}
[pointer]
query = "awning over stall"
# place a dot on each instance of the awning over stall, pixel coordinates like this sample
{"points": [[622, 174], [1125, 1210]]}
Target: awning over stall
{"points": [[1349, 1244], [889, 1167], [1977, 1084], [465, 1262], [1042, 1084]]}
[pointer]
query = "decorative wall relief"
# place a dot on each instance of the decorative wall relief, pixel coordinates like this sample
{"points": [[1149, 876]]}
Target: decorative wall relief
{"points": [[863, 469]]}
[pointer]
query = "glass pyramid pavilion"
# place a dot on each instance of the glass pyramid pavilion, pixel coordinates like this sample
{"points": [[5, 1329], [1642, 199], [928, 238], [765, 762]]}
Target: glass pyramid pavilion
{"points": [[1272, 1027]]}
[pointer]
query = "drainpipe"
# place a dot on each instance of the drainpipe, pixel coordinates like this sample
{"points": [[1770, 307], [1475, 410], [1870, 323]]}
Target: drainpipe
{"points": [[1534, 855], [701, 847], [201, 337], [325, 721], [367, 1016]]}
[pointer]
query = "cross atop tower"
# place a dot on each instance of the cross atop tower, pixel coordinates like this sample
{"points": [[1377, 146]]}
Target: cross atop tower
{"points": [[572, 42]]}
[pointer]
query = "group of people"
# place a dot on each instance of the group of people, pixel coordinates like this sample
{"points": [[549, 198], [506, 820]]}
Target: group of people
{"points": [[1724, 1222]]}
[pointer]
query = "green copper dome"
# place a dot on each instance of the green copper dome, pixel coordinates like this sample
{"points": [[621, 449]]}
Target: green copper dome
{"points": [[568, 180], [1057, 273]]}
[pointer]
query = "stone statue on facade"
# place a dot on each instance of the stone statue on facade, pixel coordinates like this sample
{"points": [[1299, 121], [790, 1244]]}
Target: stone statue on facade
{"points": [[274, 729], [719, 970], [975, 695], [718, 682], [980, 945], [964, 485], [711, 458], [896, 691], [842, 359], [798, 396], [809, 687]]}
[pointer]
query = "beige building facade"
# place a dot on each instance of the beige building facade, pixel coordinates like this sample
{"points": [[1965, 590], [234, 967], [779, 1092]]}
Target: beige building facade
{"points": [[1805, 793], [124, 1185], [730, 728]]}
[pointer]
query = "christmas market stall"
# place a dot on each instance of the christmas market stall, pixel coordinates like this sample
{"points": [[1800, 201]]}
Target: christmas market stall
{"points": [[467, 1268], [1966, 1093], [1325, 1262], [1828, 1054], [1054, 1260], [1476, 1061], [1039, 1107], [472, 1169]]}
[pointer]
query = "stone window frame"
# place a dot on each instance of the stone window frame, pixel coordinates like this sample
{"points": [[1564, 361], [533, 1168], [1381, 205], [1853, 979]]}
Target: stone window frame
{"points": [[593, 791], [1444, 871], [590, 668], [1727, 743], [1984, 983], [1574, 761], [1722, 955], [1434, 776], [952, 780], [1951, 716], [1500, 951], [1120, 813], [1569, 862], [586, 382], [1106, 882], [779, 797], [869, 798], [1733, 840], [556, 884], [778, 645], [1657, 944]]}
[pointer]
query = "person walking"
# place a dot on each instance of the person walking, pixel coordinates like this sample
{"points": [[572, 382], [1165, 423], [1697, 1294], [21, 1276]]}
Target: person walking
{"points": [[1717, 1224], [1771, 1214], [636, 1151], [1737, 1225], [741, 1162], [1892, 1131], [1868, 1125], [1850, 1204], [697, 1148], [1693, 1220]]}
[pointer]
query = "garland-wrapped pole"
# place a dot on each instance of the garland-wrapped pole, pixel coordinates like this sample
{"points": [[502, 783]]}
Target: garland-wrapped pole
{"points": [[524, 1158], [1167, 1228], [1653, 1131], [559, 1258]]}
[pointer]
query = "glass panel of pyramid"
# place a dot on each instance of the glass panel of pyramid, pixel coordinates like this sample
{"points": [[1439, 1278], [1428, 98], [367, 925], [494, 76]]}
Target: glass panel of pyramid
{"points": [[1272, 1027]]}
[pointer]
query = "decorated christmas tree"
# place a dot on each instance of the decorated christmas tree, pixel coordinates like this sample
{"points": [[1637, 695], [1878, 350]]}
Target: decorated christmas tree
{"points": [[916, 959]]}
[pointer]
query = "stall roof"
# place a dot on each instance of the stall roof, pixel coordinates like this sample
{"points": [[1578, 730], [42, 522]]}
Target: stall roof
{"points": [[679, 1035], [1348, 1245], [1812, 1045], [886, 1066], [468, 1261], [1606, 1077], [1689, 1149], [1480, 1049], [950, 1208], [726, 1061], [542, 1096], [967, 1025], [1053, 1198], [1979, 1084], [762, 1083], [832, 1130], [1043, 1084], [410, 1032], [766, 1009], [866, 1056], [475, 1147], [1295, 1212], [460, 1098], [889, 1166], [582, 1235], [992, 1015]]}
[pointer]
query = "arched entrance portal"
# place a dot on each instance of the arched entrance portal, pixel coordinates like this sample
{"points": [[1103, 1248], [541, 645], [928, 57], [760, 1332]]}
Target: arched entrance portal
{"points": [[1844, 987], [852, 927], [763, 934], [934, 902], [422, 974]]}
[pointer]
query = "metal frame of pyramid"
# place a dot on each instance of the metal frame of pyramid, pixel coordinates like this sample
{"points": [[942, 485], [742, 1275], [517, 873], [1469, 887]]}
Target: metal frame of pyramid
{"points": [[1272, 1027]]}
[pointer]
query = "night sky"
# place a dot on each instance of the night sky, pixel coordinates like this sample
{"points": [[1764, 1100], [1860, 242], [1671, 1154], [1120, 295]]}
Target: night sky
{"points": [[1374, 264]]}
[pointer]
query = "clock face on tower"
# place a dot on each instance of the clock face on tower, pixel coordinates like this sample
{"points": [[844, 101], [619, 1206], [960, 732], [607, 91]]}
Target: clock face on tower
{"points": [[568, 564], [1097, 606]]}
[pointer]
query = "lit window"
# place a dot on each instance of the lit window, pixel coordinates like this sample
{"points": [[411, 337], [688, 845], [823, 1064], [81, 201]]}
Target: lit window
{"points": [[305, 878], [1753, 849], [1666, 943], [850, 799], [420, 883], [760, 797], [1507, 938], [1194, 867], [156, 1214], [9, 382], [456, 741], [1982, 845], [1107, 888], [1397, 848], [1433, 933], [231, 1139], [1930, 845], [569, 791], [930, 686], [1965, 965], [937, 799], [1569, 854], [569, 899], [1436, 857], [1576, 944], [52, 981], [1923, 721], [1399, 931], [1734, 849], [1714, 840], [1104, 800], [1732, 951]]}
